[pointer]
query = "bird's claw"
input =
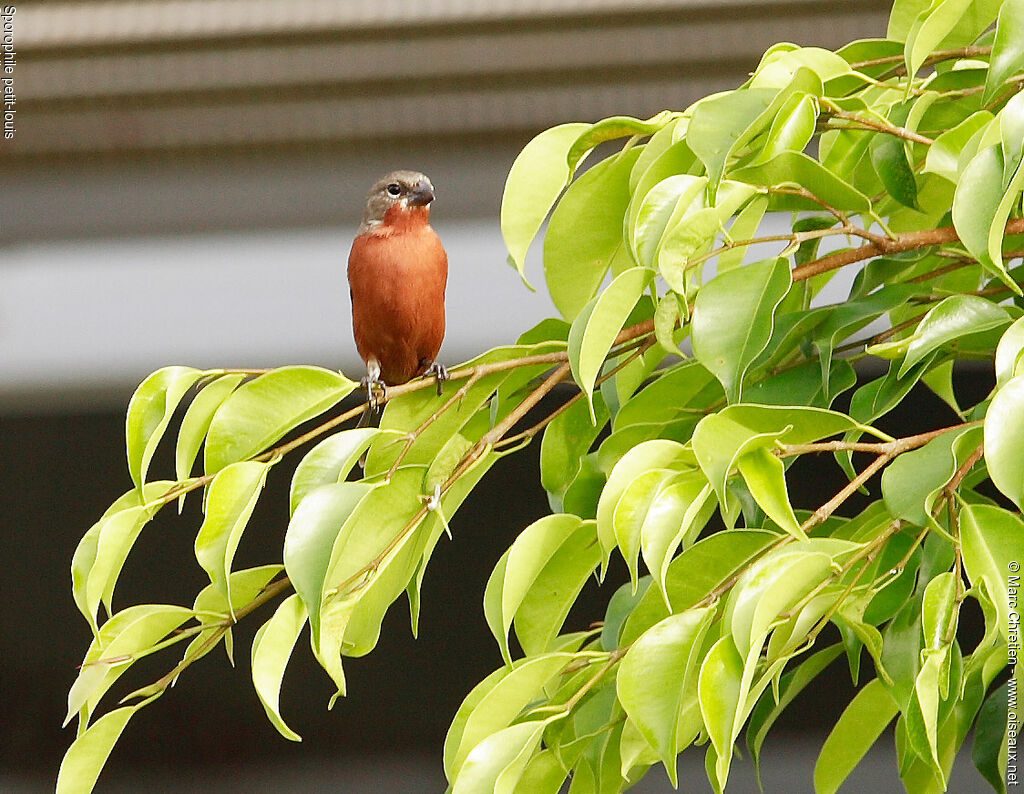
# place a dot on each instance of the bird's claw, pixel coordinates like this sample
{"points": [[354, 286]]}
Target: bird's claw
{"points": [[440, 373], [376, 391]]}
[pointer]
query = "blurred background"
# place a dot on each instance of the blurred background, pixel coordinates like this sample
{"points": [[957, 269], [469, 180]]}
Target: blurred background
{"points": [[182, 188]]}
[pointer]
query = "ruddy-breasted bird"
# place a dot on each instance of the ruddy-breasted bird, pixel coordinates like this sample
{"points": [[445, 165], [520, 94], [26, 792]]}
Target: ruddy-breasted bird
{"points": [[397, 273]]}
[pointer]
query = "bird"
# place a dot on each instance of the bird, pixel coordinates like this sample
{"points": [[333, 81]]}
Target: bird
{"points": [[397, 275]]}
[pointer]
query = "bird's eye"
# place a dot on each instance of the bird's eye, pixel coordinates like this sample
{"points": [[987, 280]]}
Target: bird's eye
{"points": [[394, 189]]}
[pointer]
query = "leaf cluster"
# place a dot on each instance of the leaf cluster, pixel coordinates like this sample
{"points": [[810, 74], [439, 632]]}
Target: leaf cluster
{"points": [[701, 376]]}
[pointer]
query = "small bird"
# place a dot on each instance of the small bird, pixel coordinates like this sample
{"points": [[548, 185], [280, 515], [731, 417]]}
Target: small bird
{"points": [[397, 274]]}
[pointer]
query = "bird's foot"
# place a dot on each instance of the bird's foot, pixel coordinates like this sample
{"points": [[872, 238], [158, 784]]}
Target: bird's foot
{"points": [[376, 391], [440, 373]]}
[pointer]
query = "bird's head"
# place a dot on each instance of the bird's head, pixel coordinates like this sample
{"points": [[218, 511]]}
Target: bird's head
{"points": [[400, 194]]}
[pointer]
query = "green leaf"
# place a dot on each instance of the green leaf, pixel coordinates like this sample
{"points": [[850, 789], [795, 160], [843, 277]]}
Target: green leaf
{"points": [[150, 411], [499, 760], [211, 607], [719, 693], [943, 156], [733, 318], [676, 515], [860, 725], [1008, 352], [672, 197], [1007, 49], [772, 585], [654, 454], [495, 702], [903, 16], [792, 128], [329, 462], [261, 411], [1004, 435], [584, 238], [797, 168], [926, 35], [979, 210], [537, 177], [518, 569], [595, 328], [991, 739], [765, 475], [655, 675], [612, 128], [196, 422], [694, 574], [913, 482], [86, 756], [229, 504], [992, 540], [271, 648], [620, 606], [743, 228], [720, 122], [769, 709], [889, 156], [720, 439], [128, 636], [101, 554], [631, 512], [544, 608], [566, 441]]}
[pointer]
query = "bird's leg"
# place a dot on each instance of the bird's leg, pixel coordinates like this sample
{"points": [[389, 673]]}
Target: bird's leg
{"points": [[376, 391], [440, 373]]}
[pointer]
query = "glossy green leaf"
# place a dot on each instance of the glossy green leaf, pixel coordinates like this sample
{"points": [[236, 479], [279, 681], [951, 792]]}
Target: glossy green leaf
{"points": [[656, 672], [537, 177], [609, 129], [733, 318], [87, 755], [720, 439], [150, 411], [196, 422], [792, 128], [943, 156], [271, 648], [745, 227], [584, 238], [693, 229], [211, 607], [128, 636], [544, 608], [676, 515], [101, 554], [912, 483], [765, 475], [1004, 435], [769, 709], [329, 462], [654, 454], [991, 739], [859, 727], [889, 156], [771, 586], [782, 63], [261, 411], [925, 36], [672, 197], [229, 504], [719, 693], [566, 441], [992, 539], [595, 328], [631, 512], [720, 122], [797, 168], [695, 573], [1007, 49], [1008, 352], [517, 571], [979, 213], [499, 760]]}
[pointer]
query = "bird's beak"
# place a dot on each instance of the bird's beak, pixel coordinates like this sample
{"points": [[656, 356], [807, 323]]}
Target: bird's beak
{"points": [[421, 195]]}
